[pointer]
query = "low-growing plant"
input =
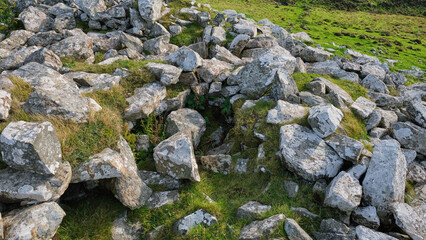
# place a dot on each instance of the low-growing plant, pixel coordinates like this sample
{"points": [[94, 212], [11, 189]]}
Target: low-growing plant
{"points": [[196, 102]]}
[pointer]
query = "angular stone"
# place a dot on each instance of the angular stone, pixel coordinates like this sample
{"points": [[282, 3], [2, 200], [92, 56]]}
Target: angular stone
{"points": [[261, 229], [159, 199], [366, 216], [218, 35], [144, 101], [238, 44], [131, 42], [388, 118], [375, 70], [252, 210], [25, 188], [91, 7], [348, 148], [16, 58], [245, 28], [324, 119], [167, 74], [410, 136], [223, 54], [175, 157], [217, 163], [417, 111], [184, 119], [35, 20], [78, 47], [32, 147], [286, 112], [159, 180], [5, 101], [17, 38], [184, 225], [214, 70], [363, 107], [311, 99], [364, 233], [303, 36], [409, 221], [303, 152], [324, 88], [186, 59], [310, 54], [294, 231], [396, 78], [373, 120], [344, 192], [291, 188], [324, 68], [384, 181], [372, 83], [303, 212], [122, 229], [45, 57], [283, 86], [35, 222]]}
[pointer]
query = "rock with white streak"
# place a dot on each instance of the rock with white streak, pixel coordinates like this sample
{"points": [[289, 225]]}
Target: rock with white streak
{"points": [[167, 74], [344, 192], [286, 112], [131, 42], [363, 107], [144, 101], [324, 119], [218, 35], [199, 217], [372, 83]]}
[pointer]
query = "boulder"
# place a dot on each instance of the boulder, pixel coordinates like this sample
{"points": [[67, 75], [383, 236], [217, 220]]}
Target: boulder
{"points": [[78, 47], [158, 45], [238, 44], [186, 119], [372, 83], [384, 181], [310, 54], [252, 210], [32, 147], [35, 222], [91, 7], [332, 229], [144, 101], [324, 68], [283, 86], [45, 57], [311, 99], [223, 54], [373, 69], [410, 136], [324, 119], [185, 58], [363, 107], [199, 217], [395, 79], [35, 20], [159, 199], [217, 163], [5, 102], [409, 221], [262, 228], [417, 111], [218, 35], [175, 157], [16, 58], [364, 233], [286, 112], [324, 88], [294, 231], [366, 216], [159, 180], [245, 27], [24, 187], [122, 229], [344, 192], [214, 70], [348, 148], [166, 74], [303, 36], [17, 38], [131, 42], [306, 154]]}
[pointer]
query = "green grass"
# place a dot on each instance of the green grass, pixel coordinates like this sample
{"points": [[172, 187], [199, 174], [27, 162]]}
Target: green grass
{"points": [[399, 37], [354, 126], [190, 34]]}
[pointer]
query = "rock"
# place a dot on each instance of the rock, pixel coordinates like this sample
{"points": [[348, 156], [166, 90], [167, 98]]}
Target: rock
{"points": [[130, 190], [158, 45], [364, 233], [324, 119], [294, 231], [291, 188], [159, 199], [91, 7], [142, 143], [373, 120], [302, 36], [60, 9], [31, 147], [175, 157], [324, 88], [311, 99], [16, 58], [214, 70], [166, 74], [375, 70], [185, 58], [350, 76], [153, 234], [303, 212], [306, 154], [35, 20], [332, 229], [175, 30], [122, 229], [218, 35], [159, 180], [223, 54], [219, 20], [366, 216], [241, 165], [64, 22], [238, 44], [395, 79], [410, 136], [104, 165], [184, 119], [5, 102], [184, 225], [417, 111], [252, 210], [94, 82], [385, 100], [144, 101], [172, 104], [286, 112], [245, 27], [54, 94], [207, 34], [344, 192], [35, 222], [372, 83], [363, 107], [388, 118], [17, 38], [310, 54], [348, 148], [409, 221], [416, 172], [384, 181], [45, 57], [23, 187], [261, 229], [283, 86], [319, 187], [78, 47], [324, 68], [6, 84], [217, 163], [131, 42]]}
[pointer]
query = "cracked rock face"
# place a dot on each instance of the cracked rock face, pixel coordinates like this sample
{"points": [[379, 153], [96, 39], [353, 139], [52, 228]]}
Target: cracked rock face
{"points": [[409, 221], [35, 222], [410, 136], [32, 147], [185, 58], [35, 20], [144, 101], [175, 157], [150, 10], [184, 225], [187, 119], [325, 119], [344, 192], [262, 228], [217, 163]]}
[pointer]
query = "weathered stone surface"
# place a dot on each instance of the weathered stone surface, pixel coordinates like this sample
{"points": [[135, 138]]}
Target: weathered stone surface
{"points": [[131, 42], [5, 101], [410, 136], [417, 111], [364, 233], [35, 20], [303, 212], [218, 35], [363, 107], [283, 86], [238, 44], [286, 112], [294, 231], [366, 216], [214, 70], [385, 100], [185, 58], [31, 147], [158, 45], [375, 70], [54, 94], [159, 180], [303, 36], [24, 187], [252, 210], [217, 163], [16, 58], [324, 68], [35, 222], [76, 47], [223, 54], [159, 199], [130, 190], [291, 188], [310, 54], [175, 157], [261, 229], [184, 119], [106, 164], [344, 192], [409, 221], [45, 57], [245, 27], [91, 7], [144, 101], [306, 154], [184, 225], [166, 74], [372, 83], [348, 148], [384, 181], [395, 78], [17, 38], [311, 99], [324, 88], [122, 229], [324, 119]]}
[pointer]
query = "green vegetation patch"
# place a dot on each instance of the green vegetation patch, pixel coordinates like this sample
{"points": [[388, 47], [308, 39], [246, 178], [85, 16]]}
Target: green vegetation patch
{"points": [[191, 33]]}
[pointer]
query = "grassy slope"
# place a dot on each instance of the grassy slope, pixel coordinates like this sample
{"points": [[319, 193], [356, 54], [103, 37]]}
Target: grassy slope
{"points": [[400, 37]]}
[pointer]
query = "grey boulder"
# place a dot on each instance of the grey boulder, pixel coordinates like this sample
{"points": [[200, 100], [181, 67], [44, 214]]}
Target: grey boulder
{"points": [[144, 101], [294, 231], [166, 74], [150, 10], [199, 217], [286, 112], [325, 119], [363, 107], [366, 216], [185, 58], [310, 54], [77, 47], [409, 221], [344, 192], [5, 102], [186, 119], [262, 228], [364, 233], [35, 20], [348, 148], [252, 210], [217, 163], [410, 136]]}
